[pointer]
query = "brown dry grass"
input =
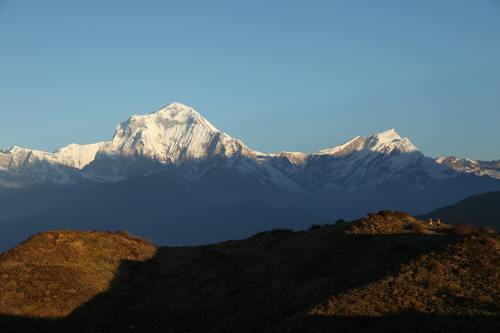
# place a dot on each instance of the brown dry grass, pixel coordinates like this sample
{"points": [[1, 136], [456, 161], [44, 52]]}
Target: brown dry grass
{"points": [[387, 272], [460, 279], [387, 222], [52, 273]]}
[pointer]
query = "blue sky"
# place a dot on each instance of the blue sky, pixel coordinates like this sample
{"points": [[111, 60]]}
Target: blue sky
{"points": [[280, 75]]}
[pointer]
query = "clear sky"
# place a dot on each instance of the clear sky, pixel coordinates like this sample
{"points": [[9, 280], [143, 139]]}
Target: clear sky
{"points": [[280, 75]]}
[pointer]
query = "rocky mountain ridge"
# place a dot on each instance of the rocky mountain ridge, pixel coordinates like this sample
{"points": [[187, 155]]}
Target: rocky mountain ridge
{"points": [[178, 134]]}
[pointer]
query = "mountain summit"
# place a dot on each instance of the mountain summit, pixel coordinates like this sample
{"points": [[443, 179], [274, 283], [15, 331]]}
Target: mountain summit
{"points": [[174, 133], [386, 142], [390, 141]]}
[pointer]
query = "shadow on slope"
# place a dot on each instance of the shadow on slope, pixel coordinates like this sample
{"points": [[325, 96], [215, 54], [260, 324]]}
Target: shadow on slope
{"points": [[479, 210], [269, 282], [407, 321]]}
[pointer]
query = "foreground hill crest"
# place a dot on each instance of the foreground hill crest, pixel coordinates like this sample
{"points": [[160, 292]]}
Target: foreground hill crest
{"points": [[386, 272]]}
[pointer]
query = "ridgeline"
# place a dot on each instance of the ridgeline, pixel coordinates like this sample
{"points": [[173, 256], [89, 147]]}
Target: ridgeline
{"points": [[388, 272]]}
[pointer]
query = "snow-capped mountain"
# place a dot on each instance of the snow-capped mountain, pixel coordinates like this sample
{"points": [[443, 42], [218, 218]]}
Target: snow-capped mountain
{"points": [[21, 166], [177, 135], [172, 135], [173, 177], [78, 156], [363, 163], [480, 168]]}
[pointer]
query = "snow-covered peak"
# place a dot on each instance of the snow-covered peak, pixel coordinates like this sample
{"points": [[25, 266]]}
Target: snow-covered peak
{"points": [[480, 168], [16, 158], [73, 155], [385, 142], [20, 150], [346, 148], [455, 160], [12, 149], [21, 155], [173, 133], [387, 136], [294, 157], [178, 113], [78, 156], [389, 141], [441, 159]]}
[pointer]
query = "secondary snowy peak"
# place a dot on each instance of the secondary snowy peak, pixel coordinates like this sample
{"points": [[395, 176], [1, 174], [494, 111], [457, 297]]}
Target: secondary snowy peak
{"points": [[20, 166], [346, 148], [386, 142], [172, 134], [479, 168], [462, 164], [78, 156], [73, 155], [17, 157], [293, 157]]}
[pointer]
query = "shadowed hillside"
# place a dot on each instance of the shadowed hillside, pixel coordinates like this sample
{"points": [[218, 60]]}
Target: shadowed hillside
{"points": [[386, 273], [480, 210]]}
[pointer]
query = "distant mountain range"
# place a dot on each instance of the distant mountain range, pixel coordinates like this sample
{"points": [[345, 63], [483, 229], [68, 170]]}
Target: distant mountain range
{"points": [[203, 185]]}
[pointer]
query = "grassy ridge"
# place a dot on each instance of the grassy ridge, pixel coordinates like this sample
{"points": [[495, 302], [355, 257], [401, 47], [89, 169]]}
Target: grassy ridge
{"points": [[387, 272]]}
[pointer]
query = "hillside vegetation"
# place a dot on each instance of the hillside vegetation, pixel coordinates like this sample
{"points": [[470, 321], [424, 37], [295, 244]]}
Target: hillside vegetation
{"points": [[388, 272], [53, 273]]}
